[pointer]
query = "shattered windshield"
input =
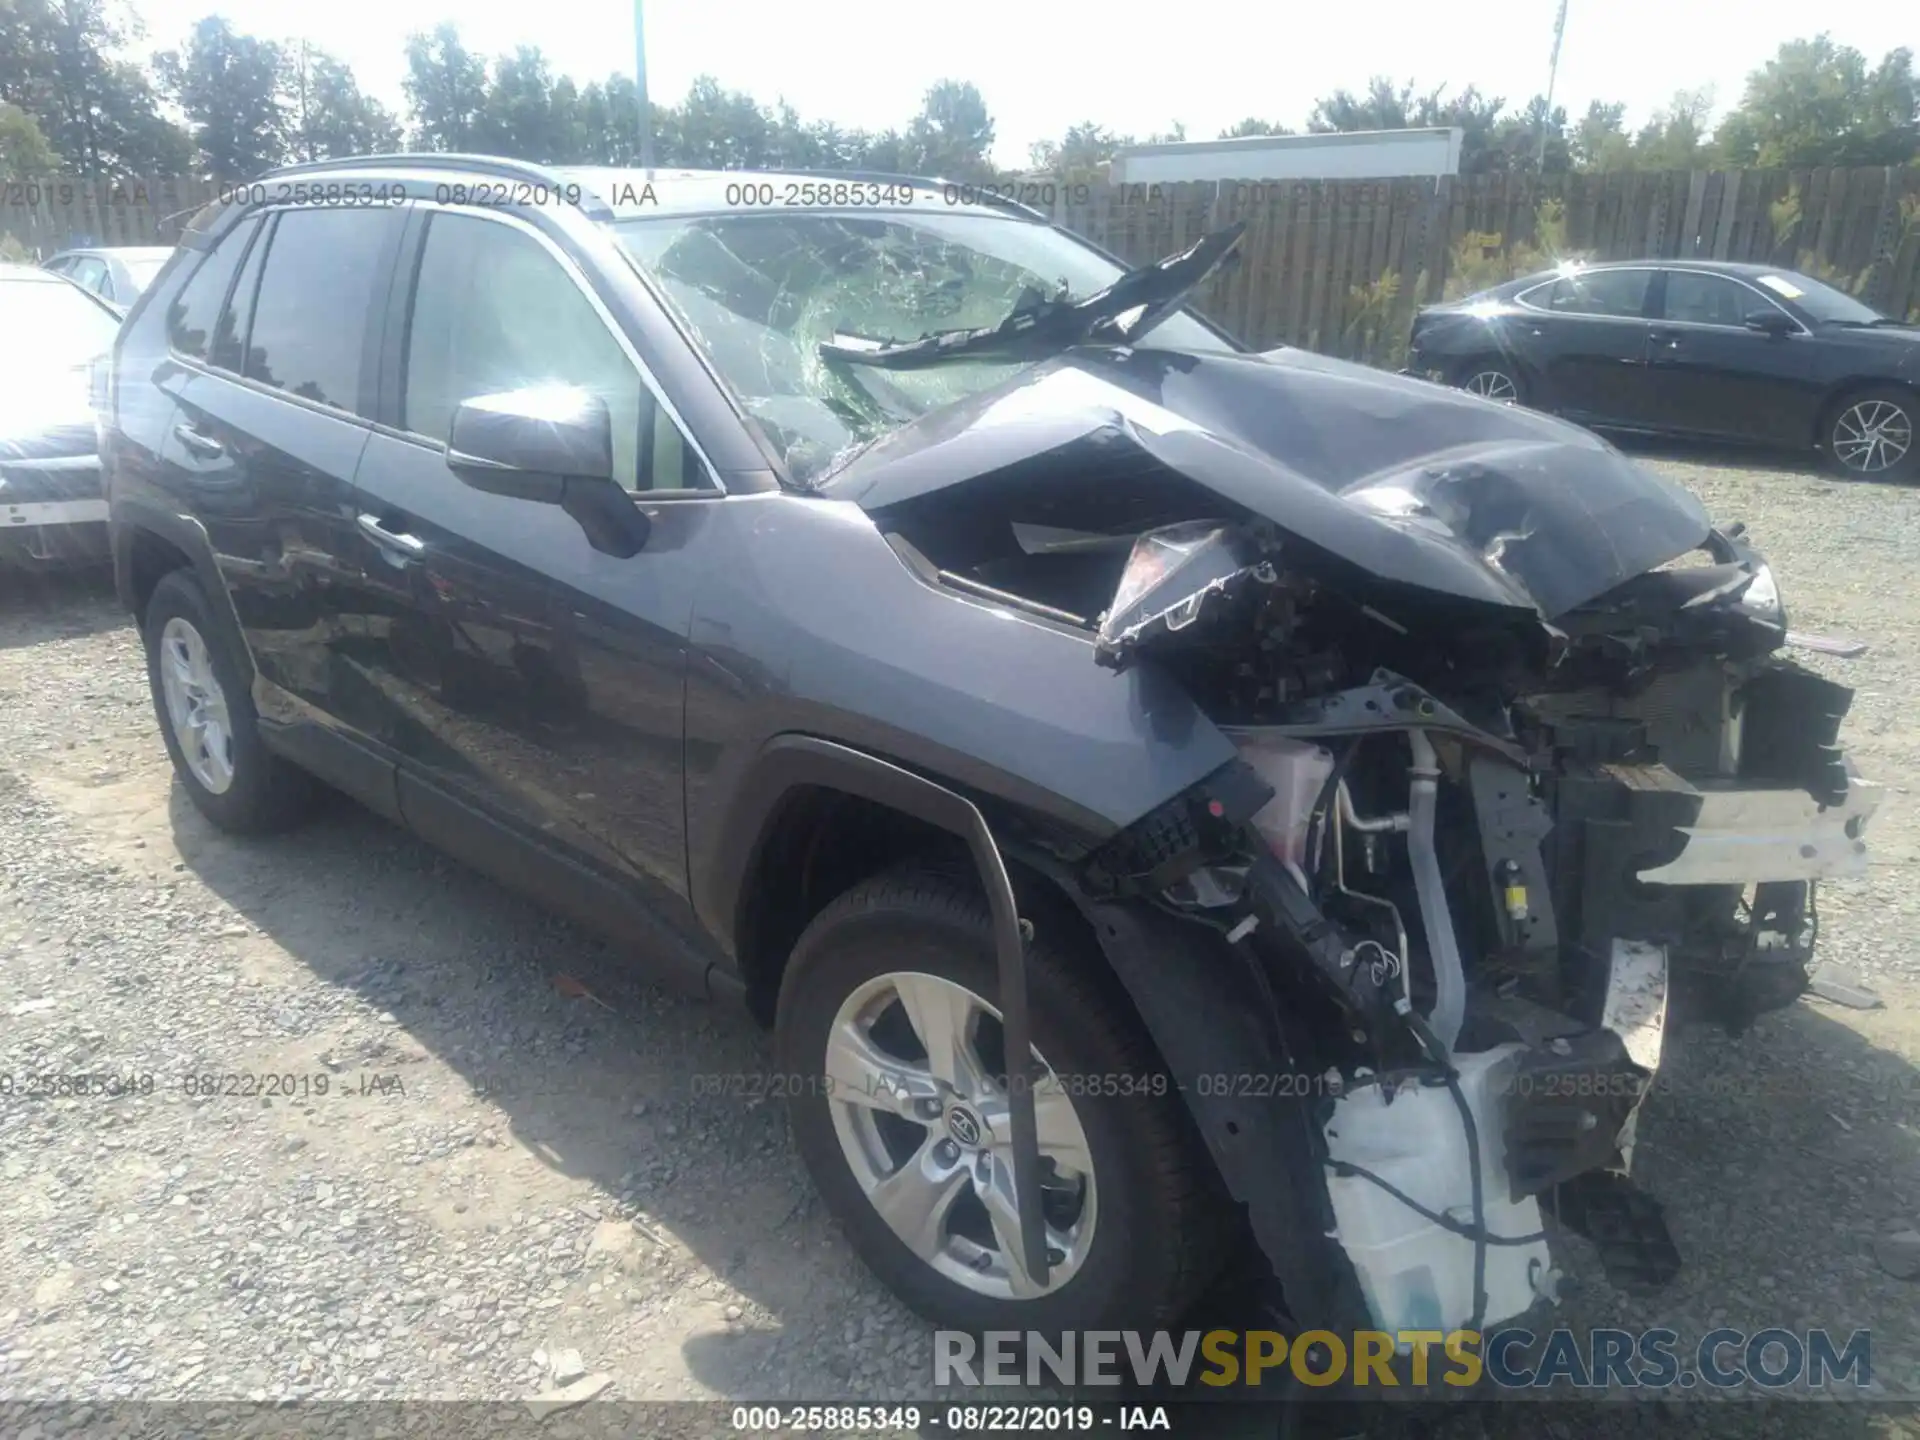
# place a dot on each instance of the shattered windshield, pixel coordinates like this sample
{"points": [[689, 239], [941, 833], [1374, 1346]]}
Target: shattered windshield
{"points": [[760, 293]]}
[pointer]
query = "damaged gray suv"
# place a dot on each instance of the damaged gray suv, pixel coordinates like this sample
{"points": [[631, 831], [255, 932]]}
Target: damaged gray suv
{"points": [[1161, 796]]}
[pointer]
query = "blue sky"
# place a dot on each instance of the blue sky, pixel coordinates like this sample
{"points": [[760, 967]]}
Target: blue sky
{"points": [[1045, 64]]}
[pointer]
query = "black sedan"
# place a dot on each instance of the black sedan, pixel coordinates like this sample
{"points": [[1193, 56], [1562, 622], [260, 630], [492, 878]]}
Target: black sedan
{"points": [[1708, 349], [51, 508]]}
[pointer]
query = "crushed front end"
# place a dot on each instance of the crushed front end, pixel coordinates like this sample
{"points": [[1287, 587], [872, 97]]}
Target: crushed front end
{"points": [[1484, 864], [1526, 775]]}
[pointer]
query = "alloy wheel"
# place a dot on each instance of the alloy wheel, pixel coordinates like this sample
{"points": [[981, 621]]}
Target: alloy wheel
{"points": [[196, 705], [1872, 436], [1492, 384], [916, 1066]]}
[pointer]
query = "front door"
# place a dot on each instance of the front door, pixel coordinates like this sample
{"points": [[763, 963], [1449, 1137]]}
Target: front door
{"points": [[529, 678], [1714, 375]]}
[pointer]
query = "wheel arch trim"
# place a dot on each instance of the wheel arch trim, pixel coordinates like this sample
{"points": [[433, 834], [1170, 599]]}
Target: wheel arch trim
{"points": [[129, 518], [789, 762], [1191, 992]]}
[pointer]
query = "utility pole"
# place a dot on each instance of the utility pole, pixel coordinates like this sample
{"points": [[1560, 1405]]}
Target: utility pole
{"points": [[1553, 72], [306, 123], [640, 84]]}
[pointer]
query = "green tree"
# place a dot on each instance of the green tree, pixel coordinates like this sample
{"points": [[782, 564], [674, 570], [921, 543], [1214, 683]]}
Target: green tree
{"points": [[887, 151], [1675, 137], [232, 88], [1085, 147], [1251, 126], [953, 133], [24, 151], [1386, 105], [1818, 103], [713, 129], [517, 117], [99, 114], [1600, 141], [330, 115], [446, 88]]}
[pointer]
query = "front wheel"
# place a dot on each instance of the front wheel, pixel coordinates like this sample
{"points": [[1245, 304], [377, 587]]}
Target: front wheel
{"points": [[1870, 434], [888, 1023]]}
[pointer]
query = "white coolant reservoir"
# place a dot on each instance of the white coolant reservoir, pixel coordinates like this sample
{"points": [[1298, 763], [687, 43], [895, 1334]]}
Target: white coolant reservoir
{"points": [[1298, 773], [1417, 1275]]}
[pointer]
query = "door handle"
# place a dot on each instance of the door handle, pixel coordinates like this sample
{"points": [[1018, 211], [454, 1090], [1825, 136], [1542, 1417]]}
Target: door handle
{"points": [[204, 446], [397, 541]]}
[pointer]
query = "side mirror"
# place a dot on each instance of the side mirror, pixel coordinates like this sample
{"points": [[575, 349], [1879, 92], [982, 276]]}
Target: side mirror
{"points": [[1770, 321], [528, 443], [552, 445]]}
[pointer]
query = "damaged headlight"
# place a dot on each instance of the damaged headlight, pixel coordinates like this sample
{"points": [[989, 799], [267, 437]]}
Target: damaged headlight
{"points": [[1762, 597]]}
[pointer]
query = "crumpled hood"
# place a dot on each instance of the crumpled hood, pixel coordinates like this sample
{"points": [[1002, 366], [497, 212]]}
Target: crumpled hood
{"points": [[1414, 483], [45, 413]]}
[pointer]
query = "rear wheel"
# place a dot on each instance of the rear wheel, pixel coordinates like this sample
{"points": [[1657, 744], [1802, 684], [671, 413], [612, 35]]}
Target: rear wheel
{"points": [[1871, 434], [1492, 380], [890, 999], [208, 721]]}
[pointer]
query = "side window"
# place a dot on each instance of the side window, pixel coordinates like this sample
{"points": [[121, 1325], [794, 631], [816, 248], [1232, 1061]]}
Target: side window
{"points": [[1618, 293], [90, 272], [308, 335], [493, 310], [195, 308], [229, 348], [1709, 299]]}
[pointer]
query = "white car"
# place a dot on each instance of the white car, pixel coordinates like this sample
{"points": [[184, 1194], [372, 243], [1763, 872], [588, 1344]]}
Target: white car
{"points": [[51, 508]]}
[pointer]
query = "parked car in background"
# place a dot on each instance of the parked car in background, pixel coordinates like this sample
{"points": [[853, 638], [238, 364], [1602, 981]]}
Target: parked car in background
{"points": [[1716, 350], [52, 511], [116, 274], [1065, 728]]}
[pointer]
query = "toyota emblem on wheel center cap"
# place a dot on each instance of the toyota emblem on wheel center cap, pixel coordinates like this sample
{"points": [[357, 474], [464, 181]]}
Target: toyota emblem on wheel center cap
{"points": [[963, 1125]]}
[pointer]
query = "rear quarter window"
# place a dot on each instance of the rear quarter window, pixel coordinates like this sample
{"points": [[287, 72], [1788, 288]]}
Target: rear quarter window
{"points": [[195, 310]]}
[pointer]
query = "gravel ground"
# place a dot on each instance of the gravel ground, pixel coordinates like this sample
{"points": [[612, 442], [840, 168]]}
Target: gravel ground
{"points": [[516, 1169]]}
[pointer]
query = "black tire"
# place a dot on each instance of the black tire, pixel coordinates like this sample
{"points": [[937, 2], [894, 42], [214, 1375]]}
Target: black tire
{"points": [[1162, 1229], [1487, 374], [1843, 432], [267, 793]]}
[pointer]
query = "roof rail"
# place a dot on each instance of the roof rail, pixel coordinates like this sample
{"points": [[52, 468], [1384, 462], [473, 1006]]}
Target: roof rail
{"points": [[496, 165]]}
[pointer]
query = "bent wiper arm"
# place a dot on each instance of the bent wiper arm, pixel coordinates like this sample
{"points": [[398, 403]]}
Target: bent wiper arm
{"points": [[1028, 336], [1153, 291]]}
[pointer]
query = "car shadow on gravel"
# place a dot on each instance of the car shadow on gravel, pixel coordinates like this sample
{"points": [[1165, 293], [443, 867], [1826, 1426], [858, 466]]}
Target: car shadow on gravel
{"points": [[43, 605], [663, 1104], [1752, 459], [1780, 1157]]}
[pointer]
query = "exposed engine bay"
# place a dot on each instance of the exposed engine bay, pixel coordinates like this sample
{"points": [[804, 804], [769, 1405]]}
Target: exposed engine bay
{"points": [[1526, 773]]}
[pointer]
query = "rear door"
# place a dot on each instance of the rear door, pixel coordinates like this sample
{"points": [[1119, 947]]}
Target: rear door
{"points": [[532, 680], [1589, 334], [1713, 375], [268, 432]]}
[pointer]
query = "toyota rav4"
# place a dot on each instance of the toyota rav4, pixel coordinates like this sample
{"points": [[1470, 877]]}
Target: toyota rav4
{"points": [[1159, 795]]}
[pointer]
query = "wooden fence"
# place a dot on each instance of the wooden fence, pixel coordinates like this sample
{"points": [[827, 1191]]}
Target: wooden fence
{"points": [[63, 211], [1334, 266], [1339, 267]]}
